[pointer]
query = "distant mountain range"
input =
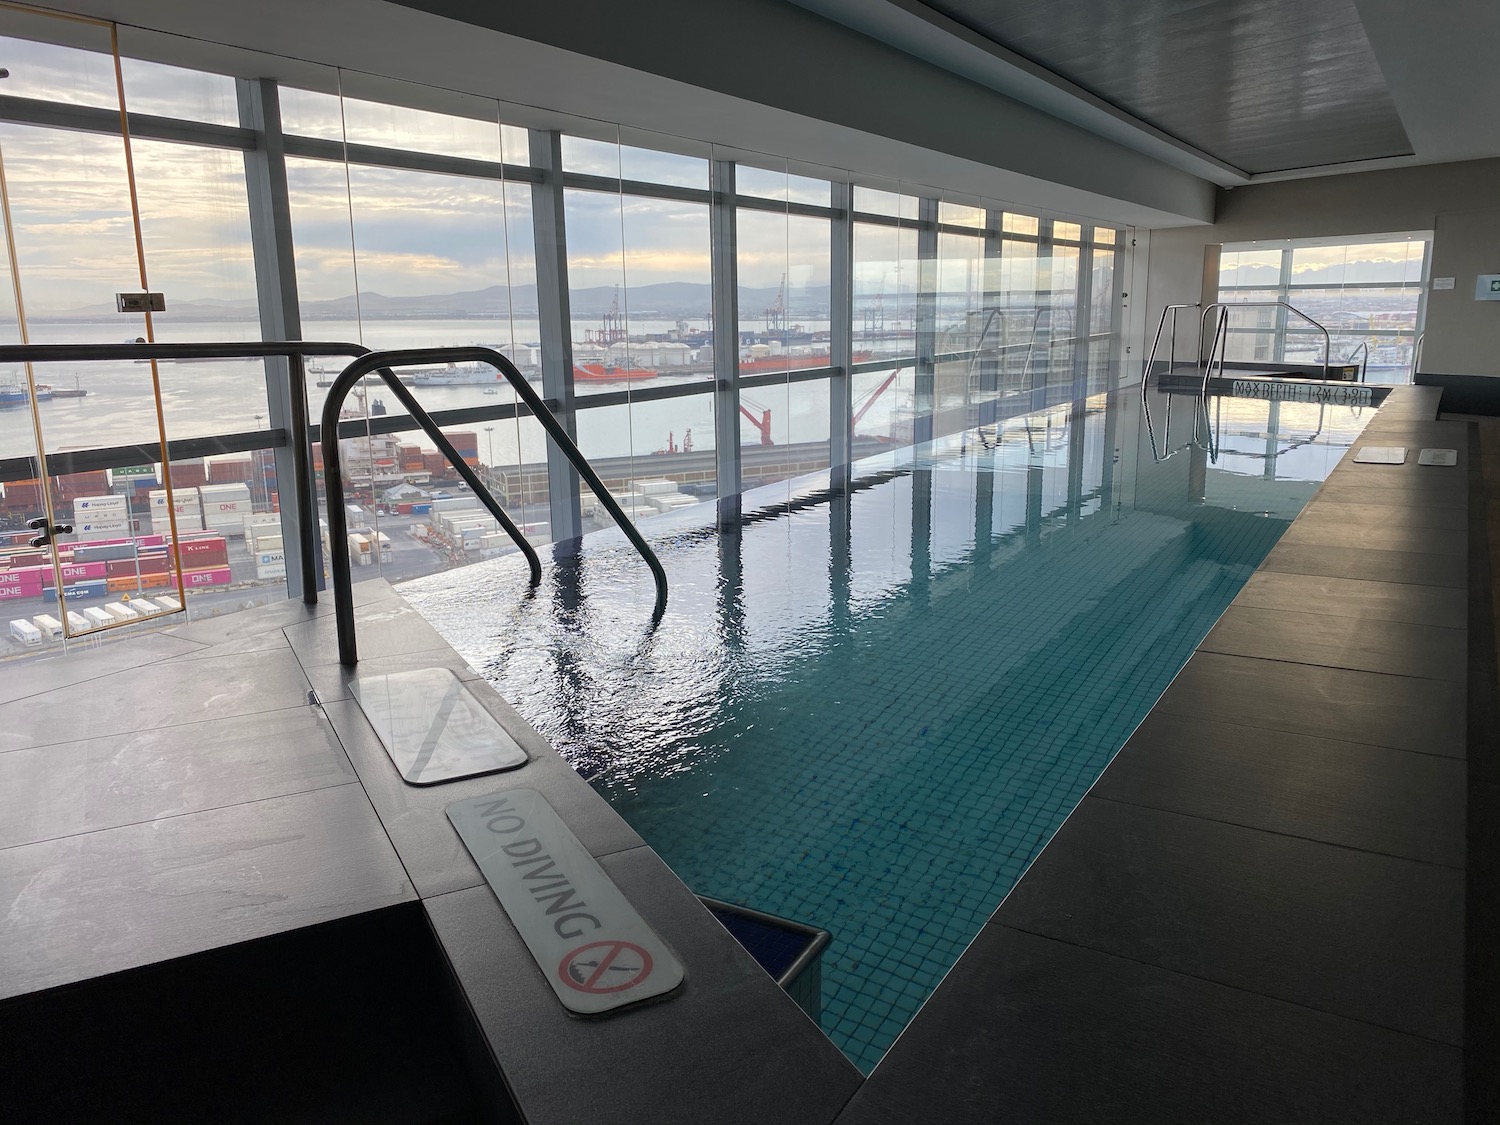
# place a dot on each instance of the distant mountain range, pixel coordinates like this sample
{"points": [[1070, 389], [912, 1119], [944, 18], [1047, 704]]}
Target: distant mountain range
{"points": [[1350, 273], [663, 301]]}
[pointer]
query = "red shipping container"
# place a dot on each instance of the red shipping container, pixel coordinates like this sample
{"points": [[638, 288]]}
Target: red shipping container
{"points": [[189, 474], [237, 471], [203, 552]]}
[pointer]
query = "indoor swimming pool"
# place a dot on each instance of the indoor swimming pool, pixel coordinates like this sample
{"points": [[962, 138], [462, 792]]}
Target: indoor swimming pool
{"points": [[869, 711]]}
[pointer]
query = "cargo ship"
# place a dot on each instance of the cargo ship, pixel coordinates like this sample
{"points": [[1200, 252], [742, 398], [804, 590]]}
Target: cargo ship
{"points": [[609, 373], [17, 394]]}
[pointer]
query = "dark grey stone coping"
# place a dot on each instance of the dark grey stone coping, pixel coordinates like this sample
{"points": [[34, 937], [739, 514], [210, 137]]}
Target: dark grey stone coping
{"points": [[1257, 912]]}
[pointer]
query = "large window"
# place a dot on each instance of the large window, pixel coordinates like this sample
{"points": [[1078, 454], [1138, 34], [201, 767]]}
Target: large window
{"points": [[596, 258], [1368, 294]]}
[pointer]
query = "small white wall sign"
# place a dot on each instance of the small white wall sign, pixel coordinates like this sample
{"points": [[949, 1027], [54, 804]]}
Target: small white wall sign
{"points": [[1443, 282], [1487, 287]]}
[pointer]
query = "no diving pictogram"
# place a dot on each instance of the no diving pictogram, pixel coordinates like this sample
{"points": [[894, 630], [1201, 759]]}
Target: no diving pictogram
{"points": [[605, 966]]}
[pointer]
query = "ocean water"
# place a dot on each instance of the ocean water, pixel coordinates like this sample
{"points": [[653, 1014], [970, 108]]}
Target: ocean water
{"points": [[869, 711]]}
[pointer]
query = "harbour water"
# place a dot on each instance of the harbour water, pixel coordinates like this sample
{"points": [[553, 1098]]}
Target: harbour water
{"points": [[227, 396]]}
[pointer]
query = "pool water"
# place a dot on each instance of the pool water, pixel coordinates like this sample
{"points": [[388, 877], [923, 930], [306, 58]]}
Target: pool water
{"points": [[870, 711]]}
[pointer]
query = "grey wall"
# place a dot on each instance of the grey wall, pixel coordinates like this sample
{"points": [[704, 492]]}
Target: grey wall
{"points": [[1461, 339], [1463, 335]]}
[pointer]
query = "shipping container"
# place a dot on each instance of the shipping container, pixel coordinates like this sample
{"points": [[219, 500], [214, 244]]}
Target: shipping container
{"points": [[262, 520], [102, 552], [123, 584], [77, 621], [232, 470], [210, 576], [73, 571], [25, 632], [168, 604], [144, 606], [97, 617], [96, 588], [120, 611], [187, 474], [50, 626], [197, 553], [104, 505], [9, 592]]}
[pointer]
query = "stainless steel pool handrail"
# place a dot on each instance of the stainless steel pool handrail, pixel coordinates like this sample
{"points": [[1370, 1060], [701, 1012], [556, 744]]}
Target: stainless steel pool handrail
{"points": [[1363, 363], [1327, 339], [295, 351], [380, 363], [1172, 345]]}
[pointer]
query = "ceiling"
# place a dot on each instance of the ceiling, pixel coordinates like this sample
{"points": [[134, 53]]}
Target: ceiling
{"points": [[1234, 90]]}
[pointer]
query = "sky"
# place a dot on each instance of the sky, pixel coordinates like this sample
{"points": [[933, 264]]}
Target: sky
{"points": [[397, 231]]}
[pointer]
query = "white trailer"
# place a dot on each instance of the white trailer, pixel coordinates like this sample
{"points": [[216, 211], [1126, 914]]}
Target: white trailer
{"points": [[25, 632]]}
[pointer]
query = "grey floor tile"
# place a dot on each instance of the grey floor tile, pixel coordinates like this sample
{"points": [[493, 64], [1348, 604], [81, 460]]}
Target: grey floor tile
{"points": [[1029, 1030], [1364, 936], [1372, 565], [728, 1046], [52, 791], [1371, 707], [331, 681], [1341, 642], [1376, 535], [385, 627], [102, 902], [37, 675], [1386, 515], [166, 694], [1444, 607], [1368, 797], [1418, 492], [414, 815]]}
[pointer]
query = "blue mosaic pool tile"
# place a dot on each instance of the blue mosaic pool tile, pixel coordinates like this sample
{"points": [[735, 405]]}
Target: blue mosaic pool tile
{"points": [[886, 762]]}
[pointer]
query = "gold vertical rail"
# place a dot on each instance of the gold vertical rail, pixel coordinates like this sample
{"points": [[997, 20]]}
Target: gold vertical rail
{"points": [[140, 257]]}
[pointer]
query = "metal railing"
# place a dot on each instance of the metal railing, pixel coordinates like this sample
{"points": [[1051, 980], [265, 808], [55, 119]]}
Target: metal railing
{"points": [[1327, 339], [1172, 345], [294, 351], [380, 363], [1363, 363]]}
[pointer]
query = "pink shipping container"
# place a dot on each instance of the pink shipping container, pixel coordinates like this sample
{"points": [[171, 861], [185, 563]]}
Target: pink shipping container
{"points": [[214, 576], [72, 571], [20, 592]]}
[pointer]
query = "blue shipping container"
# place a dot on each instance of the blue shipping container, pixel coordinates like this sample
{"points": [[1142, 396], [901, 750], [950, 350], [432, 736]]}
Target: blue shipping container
{"points": [[95, 588], [421, 509]]}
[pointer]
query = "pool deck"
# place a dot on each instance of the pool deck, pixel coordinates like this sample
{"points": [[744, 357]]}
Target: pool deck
{"points": [[1257, 913]]}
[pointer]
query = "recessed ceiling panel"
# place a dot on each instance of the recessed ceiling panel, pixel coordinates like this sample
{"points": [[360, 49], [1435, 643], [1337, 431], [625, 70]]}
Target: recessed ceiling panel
{"points": [[1265, 85]]}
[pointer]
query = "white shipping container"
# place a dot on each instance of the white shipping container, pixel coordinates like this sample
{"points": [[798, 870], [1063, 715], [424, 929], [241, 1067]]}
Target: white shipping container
{"points": [[258, 543], [104, 505], [97, 617], [25, 632], [262, 522], [120, 611], [672, 503], [218, 492], [50, 626], [168, 605], [102, 529], [144, 606], [659, 487], [181, 498]]}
